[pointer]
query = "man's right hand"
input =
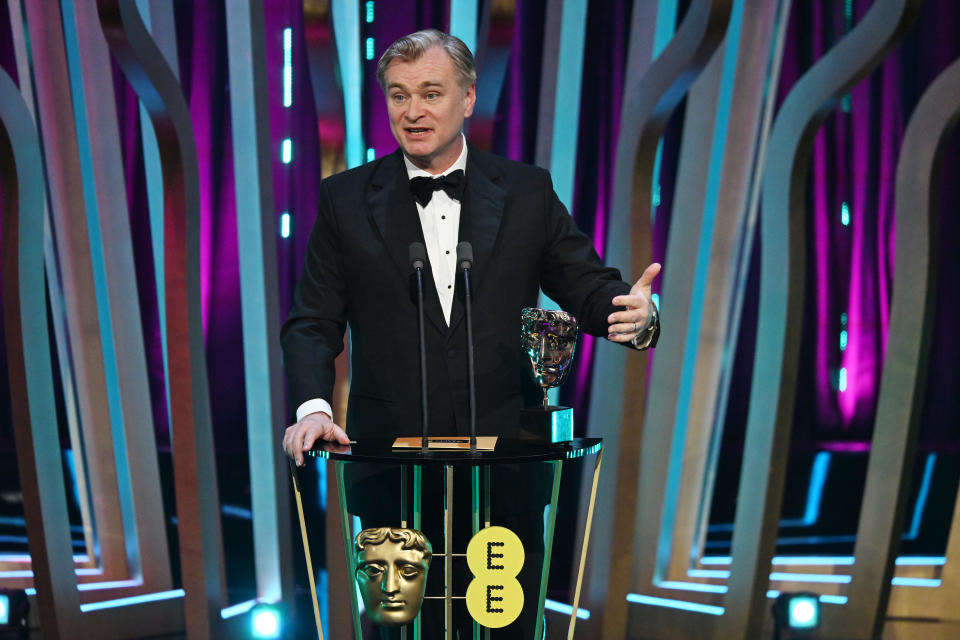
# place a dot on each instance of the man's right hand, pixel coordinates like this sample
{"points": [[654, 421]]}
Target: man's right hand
{"points": [[315, 426]]}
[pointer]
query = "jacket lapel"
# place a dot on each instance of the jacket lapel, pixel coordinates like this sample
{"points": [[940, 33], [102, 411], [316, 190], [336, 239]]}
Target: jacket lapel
{"points": [[480, 214], [392, 210]]}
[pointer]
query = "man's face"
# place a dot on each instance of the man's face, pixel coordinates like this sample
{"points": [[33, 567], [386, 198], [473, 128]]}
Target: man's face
{"points": [[392, 581], [427, 107]]}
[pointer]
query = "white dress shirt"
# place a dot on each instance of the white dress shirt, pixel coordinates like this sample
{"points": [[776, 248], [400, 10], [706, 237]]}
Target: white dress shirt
{"points": [[440, 221]]}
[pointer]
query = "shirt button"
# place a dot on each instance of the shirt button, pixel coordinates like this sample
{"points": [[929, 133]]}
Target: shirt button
{"points": [[449, 286], [443, 217], [451, 353], [448, 252]]}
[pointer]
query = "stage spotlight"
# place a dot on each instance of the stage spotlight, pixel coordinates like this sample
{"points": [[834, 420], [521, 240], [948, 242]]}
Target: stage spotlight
{"points": [[14, 607], [796, 613], [265, 621]]}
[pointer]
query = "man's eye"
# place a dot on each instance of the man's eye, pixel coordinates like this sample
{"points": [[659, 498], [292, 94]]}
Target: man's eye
{"points": [[432, 95], [397, 98]]}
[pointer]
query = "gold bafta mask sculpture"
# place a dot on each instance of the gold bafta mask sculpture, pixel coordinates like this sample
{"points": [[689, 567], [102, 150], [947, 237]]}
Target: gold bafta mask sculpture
{"points": [[392, 566]]}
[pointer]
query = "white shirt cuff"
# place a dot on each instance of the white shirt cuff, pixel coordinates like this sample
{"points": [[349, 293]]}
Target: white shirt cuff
{"points": [[313, 406]]}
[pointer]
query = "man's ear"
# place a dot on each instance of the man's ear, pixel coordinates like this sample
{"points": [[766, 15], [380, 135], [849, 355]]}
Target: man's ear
{"points": [[469, 98]]}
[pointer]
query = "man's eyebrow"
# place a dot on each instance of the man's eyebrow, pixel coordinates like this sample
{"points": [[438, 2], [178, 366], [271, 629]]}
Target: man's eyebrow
{"points": [[423, 85]]}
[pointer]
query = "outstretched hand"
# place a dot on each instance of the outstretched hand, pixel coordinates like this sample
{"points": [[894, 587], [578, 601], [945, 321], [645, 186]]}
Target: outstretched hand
{"points": [[302, 436], [626, 324]]}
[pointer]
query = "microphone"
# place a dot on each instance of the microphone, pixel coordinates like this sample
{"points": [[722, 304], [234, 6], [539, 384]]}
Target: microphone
{"points": [[465, 255], [418, 255], [465, 264], [418, 258]]}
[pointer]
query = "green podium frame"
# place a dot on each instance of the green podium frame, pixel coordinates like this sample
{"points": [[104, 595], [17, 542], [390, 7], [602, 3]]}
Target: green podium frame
{"points": [[543, 459]]}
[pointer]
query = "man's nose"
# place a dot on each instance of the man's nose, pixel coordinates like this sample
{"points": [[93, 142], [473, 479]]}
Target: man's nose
{"points": [[414, 109], [391, 581]]}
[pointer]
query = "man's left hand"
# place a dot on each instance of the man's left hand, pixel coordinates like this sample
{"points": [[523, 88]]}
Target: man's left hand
{"points": [[626, 324]]}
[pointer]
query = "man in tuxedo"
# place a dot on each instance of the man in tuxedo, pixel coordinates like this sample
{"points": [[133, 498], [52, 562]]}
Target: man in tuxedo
{"points": [[438, 189]]}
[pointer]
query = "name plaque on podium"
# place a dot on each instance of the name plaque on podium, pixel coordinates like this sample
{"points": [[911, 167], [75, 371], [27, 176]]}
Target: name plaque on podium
{"points": [[454, 443], [444, 545]]}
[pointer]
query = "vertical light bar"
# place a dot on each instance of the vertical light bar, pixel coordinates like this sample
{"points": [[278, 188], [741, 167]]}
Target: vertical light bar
{"points": [[700, 278], [845, 214], [160, 22], [368, 48], [254, 192], [463, 22], [346, 27], [288, 67], [285, 224], [843, 331], [369, 11], [371, 154], [566, 110], [101, 288], [286, 151], [566, 114], [843, 379], [666, 25]]}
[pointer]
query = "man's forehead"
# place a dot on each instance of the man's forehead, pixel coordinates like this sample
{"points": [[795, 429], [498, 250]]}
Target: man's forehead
{"points": [[435, 61]]}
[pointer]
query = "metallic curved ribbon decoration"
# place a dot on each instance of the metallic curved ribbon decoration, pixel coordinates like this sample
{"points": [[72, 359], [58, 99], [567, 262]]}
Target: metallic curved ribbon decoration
{"points": [[783, 242], [648, 105], [29, 364], [905, 369], [195, 479]]}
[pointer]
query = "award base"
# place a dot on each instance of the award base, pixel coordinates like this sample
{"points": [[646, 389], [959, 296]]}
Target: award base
{"points": [[546, 424]]}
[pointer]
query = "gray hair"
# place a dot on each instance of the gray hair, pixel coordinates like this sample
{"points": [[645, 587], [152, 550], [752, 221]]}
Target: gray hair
{"points": [[409, 48]]}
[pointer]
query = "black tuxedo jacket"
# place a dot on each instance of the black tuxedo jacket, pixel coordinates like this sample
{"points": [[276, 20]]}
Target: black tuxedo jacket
{"points": [[357, 273]]}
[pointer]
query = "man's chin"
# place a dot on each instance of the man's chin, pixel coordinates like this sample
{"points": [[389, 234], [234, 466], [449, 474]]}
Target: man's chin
{"points": [[419, 155]]}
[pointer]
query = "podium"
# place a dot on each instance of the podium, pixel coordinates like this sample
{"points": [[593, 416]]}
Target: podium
{"points": [[474, 509]]}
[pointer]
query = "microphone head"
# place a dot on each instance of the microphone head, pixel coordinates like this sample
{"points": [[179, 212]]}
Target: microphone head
{"points": [[418, 255], [465, 255]]}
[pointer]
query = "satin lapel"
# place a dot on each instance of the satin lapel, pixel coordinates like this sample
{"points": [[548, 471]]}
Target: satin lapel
{"points": [[392, 211], [480, 216]]}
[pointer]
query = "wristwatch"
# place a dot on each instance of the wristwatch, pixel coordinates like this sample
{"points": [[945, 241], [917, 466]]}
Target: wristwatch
{"points": [[650, 333]]}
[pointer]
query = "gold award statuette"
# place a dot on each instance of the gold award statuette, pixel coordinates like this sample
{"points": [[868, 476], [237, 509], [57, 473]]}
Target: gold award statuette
{"points": [[548, 338], [494, 597], [392, 565]]}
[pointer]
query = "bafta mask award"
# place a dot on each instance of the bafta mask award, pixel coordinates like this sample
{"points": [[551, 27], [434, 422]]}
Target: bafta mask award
{"points": [[549, 339], [392, 566]]}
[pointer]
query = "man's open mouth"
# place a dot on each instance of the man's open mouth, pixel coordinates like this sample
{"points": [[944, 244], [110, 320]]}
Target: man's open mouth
{"points": [[417, 132]]}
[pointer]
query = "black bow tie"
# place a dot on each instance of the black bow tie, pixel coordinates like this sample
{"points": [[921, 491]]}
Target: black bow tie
{"points": [[452, 183]]}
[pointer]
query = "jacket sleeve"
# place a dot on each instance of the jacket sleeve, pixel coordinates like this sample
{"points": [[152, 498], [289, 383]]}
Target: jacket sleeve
{"points": [[572, 273], [312, 336]]}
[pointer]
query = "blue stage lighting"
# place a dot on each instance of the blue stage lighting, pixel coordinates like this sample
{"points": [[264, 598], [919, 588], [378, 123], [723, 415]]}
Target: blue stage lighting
{"points": [[14, 608], [797, 613], [265, 621]]}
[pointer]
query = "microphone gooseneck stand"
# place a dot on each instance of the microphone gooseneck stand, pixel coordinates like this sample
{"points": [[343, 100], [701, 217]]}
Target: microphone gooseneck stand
{"points": [[418, 257], [465, 263]]}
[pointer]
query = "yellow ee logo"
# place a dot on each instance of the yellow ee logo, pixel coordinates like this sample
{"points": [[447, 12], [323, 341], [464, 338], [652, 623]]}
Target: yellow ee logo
{"points": [[494, 597]]}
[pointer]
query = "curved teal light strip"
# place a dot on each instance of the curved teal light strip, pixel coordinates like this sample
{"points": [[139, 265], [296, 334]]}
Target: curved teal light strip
{"points": [[692, 338], [98, 265]]}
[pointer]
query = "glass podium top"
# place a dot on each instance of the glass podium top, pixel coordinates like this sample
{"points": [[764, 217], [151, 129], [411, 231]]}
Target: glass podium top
{"points": [[508, 450]]}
